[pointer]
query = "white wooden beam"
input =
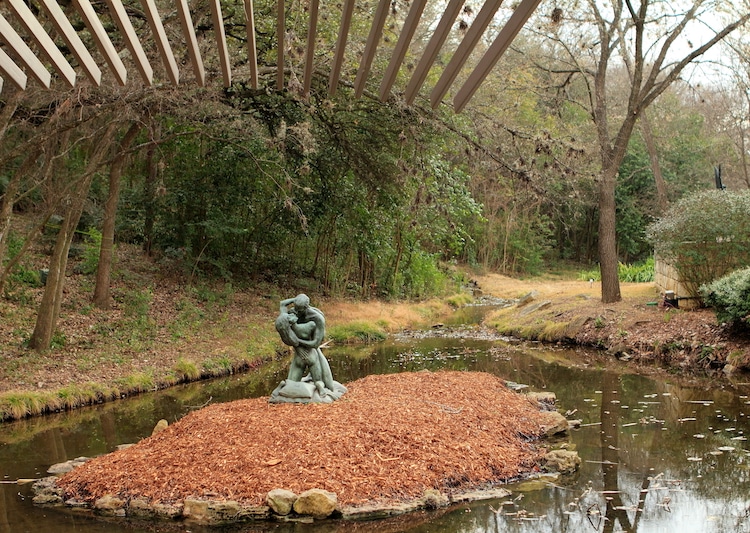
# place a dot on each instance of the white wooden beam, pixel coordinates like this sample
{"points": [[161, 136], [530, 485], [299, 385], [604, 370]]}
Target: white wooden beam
{"points": [[338, 55], [12, 71], [101, 38], [404, 39], [45, 43], [221, 41], [464, 50], [117, 11], [433, 47], [496, 49], [280, 43], [69, 35], [183, 11], [24, 53], [312, 34], [376, 32], [160, 36], [252, 50]]}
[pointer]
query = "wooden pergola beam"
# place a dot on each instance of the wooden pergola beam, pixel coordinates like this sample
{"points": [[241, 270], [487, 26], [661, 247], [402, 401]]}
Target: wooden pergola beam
{"points": [[404, 39], [338, 55], [101, 38], [12, 71], [45, 43], [69, 35], [376, 31], [433, 48], [280, 42], [24, 53], [252, 50], [221, 41], [162, 43], [464, 50], [117, 11], [494, 52], [183, 11], [312, 34]]}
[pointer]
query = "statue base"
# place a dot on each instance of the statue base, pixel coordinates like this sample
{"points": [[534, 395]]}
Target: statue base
{"points": [[305, 391]]}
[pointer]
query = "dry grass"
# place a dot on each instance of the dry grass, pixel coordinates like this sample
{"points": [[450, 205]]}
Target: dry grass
{"points": [[393, 316]]}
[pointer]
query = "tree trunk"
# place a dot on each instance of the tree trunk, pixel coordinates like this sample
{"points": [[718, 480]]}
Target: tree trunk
{"points": [[106, 253], [49, 309], [9, 198], [149, 187], [608, 237], [653, 157]]}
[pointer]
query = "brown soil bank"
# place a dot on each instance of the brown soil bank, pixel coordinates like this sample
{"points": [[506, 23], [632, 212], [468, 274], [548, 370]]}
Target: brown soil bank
{"points": [[635, 329], [389, 439]]}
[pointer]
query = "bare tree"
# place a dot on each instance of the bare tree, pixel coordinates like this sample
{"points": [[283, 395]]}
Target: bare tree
{"points": [[49, 309], [659, 40], [106, 252]]}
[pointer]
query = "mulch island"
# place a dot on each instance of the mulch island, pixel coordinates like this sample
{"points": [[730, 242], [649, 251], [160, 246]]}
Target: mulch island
{"points": [[392, 440]]}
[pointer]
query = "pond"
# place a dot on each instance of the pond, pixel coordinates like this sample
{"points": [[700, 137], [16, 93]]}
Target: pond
{"points": [[657, 456]]}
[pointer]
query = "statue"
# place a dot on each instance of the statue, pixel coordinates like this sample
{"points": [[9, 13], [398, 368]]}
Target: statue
{"points": [[302, 327]]}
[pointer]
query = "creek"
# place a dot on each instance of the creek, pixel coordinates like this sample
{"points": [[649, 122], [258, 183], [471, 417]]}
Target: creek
{"points": [[657, 456]]}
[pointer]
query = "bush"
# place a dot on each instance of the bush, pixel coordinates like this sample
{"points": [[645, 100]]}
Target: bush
{"points": [[642, 272], [730, 297], [92, 246], [704, 236]]}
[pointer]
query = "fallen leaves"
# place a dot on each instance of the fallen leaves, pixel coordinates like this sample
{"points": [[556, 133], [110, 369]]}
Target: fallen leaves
{"points": [[389, 438]]}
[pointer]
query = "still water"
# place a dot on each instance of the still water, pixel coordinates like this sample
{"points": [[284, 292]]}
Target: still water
{"points": [[657, 457]]}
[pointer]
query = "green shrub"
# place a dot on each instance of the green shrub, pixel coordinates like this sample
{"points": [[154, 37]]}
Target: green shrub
{"points": [[92, 245], [642, 272], [704, 236], [730, 297], [422, 277], [638, 273], [459, 299], [21, 274]]}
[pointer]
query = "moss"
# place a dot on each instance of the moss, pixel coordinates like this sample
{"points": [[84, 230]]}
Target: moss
{"points": [[460, 299], [358, 331], [186, 370]]}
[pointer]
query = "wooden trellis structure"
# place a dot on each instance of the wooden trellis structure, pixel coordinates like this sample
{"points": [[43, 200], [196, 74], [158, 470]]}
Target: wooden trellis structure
{"points": [[34, 53]]}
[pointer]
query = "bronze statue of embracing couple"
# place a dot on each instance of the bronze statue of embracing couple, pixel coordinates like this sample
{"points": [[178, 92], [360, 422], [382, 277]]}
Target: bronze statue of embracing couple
{"points": [[302, 327]]}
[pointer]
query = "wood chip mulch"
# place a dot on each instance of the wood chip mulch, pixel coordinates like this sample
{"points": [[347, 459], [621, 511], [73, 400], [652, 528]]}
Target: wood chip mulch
{"points": [[388, 439]]}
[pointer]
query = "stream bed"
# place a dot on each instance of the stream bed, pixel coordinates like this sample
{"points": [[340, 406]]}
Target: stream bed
{"points": [[657, 456]]}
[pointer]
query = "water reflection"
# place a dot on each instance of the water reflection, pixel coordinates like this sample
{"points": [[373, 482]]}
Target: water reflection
{"points": [[657, 456]]}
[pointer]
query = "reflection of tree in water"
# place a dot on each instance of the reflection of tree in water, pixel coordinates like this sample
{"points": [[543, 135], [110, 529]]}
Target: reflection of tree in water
{"points": [[616, 510]]}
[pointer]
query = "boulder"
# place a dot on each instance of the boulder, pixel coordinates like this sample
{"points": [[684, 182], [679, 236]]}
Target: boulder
{"points": [[110, 505], [67, 466], [161, 425], [563, 461], [281, 501], [545, 399], [317, 503], [554, 424], [434, 499], [526, 298], [46, 491], [210, 511], [538, 306]]}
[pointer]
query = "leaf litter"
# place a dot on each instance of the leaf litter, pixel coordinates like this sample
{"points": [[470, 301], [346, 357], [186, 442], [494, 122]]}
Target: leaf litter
{"points": [[390, 438]]}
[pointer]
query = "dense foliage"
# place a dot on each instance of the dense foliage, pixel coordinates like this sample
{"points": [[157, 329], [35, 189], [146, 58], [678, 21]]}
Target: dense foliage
{"points": [[705, 236], [730, 297], [345, 195]]}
